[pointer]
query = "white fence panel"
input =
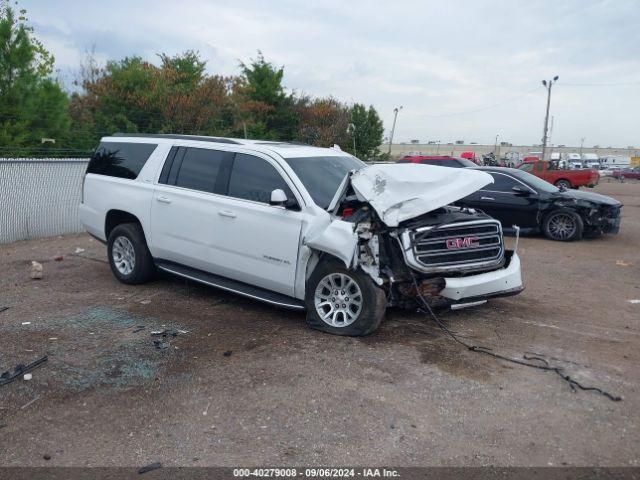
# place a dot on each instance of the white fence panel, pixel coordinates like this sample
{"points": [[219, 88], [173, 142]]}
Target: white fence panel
{"points": [[39, 197]]}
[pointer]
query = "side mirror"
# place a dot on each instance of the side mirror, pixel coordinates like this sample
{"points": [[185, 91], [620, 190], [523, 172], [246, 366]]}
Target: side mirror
{"points": [[278, 197], [521, 191]]}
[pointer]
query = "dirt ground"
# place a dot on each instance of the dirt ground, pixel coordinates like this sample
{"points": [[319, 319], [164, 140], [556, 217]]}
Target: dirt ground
{"points": [[249, 384]]}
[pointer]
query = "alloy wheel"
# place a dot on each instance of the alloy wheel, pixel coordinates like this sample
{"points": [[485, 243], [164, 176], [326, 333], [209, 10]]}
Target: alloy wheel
{"points": [[338, 300], [562, 226], [123, 255]]}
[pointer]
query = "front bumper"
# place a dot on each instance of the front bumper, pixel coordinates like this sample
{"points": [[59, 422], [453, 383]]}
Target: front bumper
{"points": [[476, 288]]}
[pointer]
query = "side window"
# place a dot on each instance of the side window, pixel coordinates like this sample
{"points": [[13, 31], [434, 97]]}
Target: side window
{"points": [[527, 167], [501, 183], [539, 166], [437, 163], [199, 169], [253, 178], [120, 159]]}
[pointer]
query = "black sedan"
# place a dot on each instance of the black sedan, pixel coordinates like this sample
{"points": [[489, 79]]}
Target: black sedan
{"points": [[519, 198]]}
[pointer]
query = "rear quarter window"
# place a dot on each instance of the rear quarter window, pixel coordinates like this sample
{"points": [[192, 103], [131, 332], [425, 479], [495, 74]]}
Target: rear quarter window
{"points": [[120, 159]]}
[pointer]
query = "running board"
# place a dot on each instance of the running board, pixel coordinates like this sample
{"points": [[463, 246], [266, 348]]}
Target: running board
{"points": [[229, 285]]}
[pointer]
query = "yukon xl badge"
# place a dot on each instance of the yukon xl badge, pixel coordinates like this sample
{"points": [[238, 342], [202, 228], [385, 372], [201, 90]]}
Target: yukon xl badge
{"points": [[462, 242], [274, 259]]}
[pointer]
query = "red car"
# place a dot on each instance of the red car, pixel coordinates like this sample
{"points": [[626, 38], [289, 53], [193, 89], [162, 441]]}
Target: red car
{"points": [[438, 160], [561, 178], [627, 173]]}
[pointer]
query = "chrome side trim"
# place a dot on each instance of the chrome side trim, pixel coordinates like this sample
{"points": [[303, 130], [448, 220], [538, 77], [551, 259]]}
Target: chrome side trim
{"points": [[228, 289]]}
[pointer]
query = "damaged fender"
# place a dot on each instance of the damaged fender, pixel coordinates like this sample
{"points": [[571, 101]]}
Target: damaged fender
{"points": [[338, 239]]}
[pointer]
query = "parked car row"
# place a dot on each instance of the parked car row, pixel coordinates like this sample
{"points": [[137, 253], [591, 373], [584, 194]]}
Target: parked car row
{"points": [[538, 198], [316, 229]]}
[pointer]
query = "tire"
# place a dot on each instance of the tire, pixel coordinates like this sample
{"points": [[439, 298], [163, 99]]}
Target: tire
{"points": [[562, 183], [563, 225], [354, 320], [129, 256]]}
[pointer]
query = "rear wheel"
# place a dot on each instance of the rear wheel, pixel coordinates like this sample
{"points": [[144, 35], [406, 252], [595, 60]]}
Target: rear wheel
{"points": [[565, 184], [563, 225], [129, 257], [342, 301]]}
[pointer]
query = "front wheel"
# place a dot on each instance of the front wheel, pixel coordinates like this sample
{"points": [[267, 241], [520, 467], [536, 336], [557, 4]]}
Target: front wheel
{"points": [[563, 225], [342, 301]]}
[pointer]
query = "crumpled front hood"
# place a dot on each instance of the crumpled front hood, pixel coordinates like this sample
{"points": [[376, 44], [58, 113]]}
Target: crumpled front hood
{"points": [[402, 191]]}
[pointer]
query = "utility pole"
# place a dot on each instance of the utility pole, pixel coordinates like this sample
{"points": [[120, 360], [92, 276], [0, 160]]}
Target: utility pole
{"points": [[581, 146], [547, 85], [393, 128]]}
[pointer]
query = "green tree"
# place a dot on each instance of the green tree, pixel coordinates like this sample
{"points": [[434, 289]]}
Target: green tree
{"points": [[132, 95], [33, 106], [367, 130], [274, 109]]}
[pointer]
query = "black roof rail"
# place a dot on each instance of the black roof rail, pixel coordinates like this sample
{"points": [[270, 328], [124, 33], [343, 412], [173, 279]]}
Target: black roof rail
{"points": [[177, 137]]}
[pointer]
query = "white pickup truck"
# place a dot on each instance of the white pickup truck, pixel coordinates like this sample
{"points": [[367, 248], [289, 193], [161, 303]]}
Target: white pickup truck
{"points": [[295, 226]]}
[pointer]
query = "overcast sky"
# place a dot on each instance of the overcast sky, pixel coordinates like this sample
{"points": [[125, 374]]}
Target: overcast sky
{"points": [[445, 62]]}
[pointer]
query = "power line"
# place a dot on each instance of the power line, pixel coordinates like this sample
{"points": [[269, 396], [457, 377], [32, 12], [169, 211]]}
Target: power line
{"points": [[481, 109], [616, 84]]}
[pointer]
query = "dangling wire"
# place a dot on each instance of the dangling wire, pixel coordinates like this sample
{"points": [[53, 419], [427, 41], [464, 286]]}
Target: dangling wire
{"points": [[527, 360]]}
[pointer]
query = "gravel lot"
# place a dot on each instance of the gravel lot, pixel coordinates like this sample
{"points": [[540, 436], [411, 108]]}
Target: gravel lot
{"points": [[249, 384]]}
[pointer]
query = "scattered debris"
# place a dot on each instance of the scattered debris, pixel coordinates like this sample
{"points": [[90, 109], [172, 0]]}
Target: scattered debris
{"points": [[36, 270], [26, 323], [139, 328], [228, 353], [160, 345], [53, 338], [78, 250], [168, 332], [59, 258], [27, 376], [3, 308], [635, 300], [29, 403], [149, 468], [46, 456], [3, 424], [20, 369], [206, 410], [145, 302], [621, 263]]}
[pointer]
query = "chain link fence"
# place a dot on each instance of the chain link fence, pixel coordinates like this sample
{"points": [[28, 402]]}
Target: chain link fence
{"points": [[39, 197]]}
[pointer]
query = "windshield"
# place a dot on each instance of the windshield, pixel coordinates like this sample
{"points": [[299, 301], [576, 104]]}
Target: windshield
{"points": [[466, 163], [535, 182], [322, 176]]}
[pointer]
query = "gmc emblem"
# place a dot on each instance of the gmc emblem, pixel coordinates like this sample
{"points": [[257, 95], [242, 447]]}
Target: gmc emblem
{"points": [[462, 242]]}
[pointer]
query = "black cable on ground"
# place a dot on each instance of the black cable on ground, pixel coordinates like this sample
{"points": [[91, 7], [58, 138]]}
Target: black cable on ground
{"points": [[527, 360]]}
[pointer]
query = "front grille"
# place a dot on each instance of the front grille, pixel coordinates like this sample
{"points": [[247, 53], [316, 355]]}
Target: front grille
{"points": [[468, 245]]}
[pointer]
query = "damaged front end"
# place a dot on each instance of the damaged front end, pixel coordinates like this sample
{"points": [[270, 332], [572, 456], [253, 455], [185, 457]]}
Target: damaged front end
{"points": [[395, 224]]}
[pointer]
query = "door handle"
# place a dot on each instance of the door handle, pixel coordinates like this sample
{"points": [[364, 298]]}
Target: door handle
{"points": [[227, 213], [487, 198], [163, 199]]}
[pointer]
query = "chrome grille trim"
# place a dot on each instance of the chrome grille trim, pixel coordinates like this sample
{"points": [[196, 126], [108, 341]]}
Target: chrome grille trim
{"points": [[425, 248]]}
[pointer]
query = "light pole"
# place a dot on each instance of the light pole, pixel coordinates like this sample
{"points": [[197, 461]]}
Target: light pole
{"points": [[351, 129], [495, 147], [393, 128], [547, 85]]}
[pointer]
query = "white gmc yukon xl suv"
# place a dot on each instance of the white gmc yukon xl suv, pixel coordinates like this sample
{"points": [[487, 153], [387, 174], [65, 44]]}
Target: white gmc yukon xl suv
{"points": [[296, 226]]}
